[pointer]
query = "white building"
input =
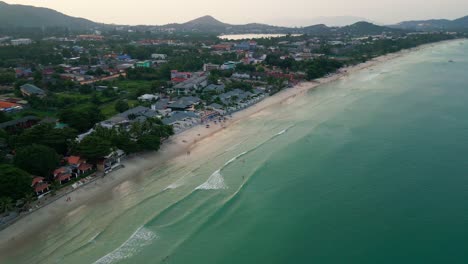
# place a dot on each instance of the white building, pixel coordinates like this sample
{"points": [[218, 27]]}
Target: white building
{"points": [[23, 41]]}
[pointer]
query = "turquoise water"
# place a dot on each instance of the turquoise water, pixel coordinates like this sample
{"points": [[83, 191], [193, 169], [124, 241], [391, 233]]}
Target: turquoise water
{"points": [[370, 169]]}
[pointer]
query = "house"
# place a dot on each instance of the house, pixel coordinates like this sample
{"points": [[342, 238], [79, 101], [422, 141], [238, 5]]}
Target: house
{"points": [[159, 56], [64, 178], [143, 64], [30, 90], [22, 41], [230, 65], [197, 82], [185, 103], [40, 187], [19, 124], [85, 168], [9, 107], [214, 88], [182, 120], [90, 37], [207, 67], [124, 57], [241, 76], [178, 77], [75, 161], [111, 161], [148, 97], [126, 118]]}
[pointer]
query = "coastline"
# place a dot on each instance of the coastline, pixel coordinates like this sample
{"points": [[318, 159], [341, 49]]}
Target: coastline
{"points": [[178, 145]]}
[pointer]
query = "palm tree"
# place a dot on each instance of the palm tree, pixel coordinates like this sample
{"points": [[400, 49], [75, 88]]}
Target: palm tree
{"points": [[28, 199], [6, 204]]}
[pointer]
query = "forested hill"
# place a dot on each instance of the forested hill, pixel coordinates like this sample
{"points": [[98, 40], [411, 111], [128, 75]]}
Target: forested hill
{"points": [[29, 16]]}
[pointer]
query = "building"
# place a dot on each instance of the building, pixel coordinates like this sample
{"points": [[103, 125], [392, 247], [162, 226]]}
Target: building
{"points": [[207, 67], [195, 83], [40, 187], [179, 77], [143, 64], [9, 107], [230, 65], [125, 119], [214, 88], [159, 56], [19, 124], [185, 103], [30, 90], [148, 97], [22, 41], [90, 37]]}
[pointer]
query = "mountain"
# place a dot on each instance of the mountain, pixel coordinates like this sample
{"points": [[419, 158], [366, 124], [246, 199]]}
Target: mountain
{"points": [[434, 24], [29, 16], [366, 28]]}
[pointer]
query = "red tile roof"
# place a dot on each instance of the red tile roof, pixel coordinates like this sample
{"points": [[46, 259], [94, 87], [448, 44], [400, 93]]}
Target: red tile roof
{"points": [[41, 187], [4, 104], [60, 171], [85, 167], [64, 177], [74, 160], [36, 180]]}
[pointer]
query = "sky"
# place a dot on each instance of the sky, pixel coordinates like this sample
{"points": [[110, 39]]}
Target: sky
{"points": [[275, 12]]}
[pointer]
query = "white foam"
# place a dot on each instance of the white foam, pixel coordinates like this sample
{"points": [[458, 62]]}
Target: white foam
{"points": [[235, 158], [92, 240], [180, 182], [214, 182], [284, 131], [141, 238]]}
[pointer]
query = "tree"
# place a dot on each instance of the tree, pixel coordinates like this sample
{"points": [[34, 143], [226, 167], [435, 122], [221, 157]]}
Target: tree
{"points": [[4, 117], [94, 147], [81, 118], [6, 204], [121, 106], [150, 142], [46, 134], [37, 159], [14, 182]]}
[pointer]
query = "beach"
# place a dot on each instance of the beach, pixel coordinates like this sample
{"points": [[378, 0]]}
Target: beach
{"points": [[182, 148]]}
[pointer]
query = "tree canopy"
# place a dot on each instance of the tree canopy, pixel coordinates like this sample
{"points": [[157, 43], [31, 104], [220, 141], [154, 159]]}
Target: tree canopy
{"points": [[37, 159], [14, 183]]}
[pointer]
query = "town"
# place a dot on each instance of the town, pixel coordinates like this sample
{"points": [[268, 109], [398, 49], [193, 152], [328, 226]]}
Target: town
{"points": [[72, 106]]}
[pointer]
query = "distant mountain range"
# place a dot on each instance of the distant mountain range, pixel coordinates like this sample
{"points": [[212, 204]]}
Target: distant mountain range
{"points": [[21, 16], [434, 24]]}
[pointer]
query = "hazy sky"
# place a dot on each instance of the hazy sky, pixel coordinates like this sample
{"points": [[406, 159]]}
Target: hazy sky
{"points": [[276, 12]]}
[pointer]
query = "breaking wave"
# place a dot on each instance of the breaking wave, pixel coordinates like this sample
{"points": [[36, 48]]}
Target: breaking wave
{"points": [[141, 238], [214, 182]]}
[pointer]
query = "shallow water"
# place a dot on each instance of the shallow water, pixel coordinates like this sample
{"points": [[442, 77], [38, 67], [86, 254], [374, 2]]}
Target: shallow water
{"points": [[369, 169]]}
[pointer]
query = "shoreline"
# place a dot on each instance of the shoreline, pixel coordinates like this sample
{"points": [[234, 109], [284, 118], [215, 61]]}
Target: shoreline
{"points": [[33, 224]]}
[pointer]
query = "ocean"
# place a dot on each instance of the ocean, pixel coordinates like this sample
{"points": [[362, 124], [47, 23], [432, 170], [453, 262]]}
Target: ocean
{"points": [[372, 168]]}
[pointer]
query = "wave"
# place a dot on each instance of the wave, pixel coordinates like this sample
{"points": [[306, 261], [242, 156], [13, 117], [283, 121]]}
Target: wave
{"points": [[178, 183], [214, 182], [141, 238]]}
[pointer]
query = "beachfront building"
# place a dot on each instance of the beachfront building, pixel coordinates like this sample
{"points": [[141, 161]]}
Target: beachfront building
{"points": [[187, 103], [197, 82], [40, 186], [182, 120], [125, 119]]}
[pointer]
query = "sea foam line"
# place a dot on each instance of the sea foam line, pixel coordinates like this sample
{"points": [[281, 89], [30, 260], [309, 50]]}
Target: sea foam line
{"points": [[141, 238], [214, 182]]}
